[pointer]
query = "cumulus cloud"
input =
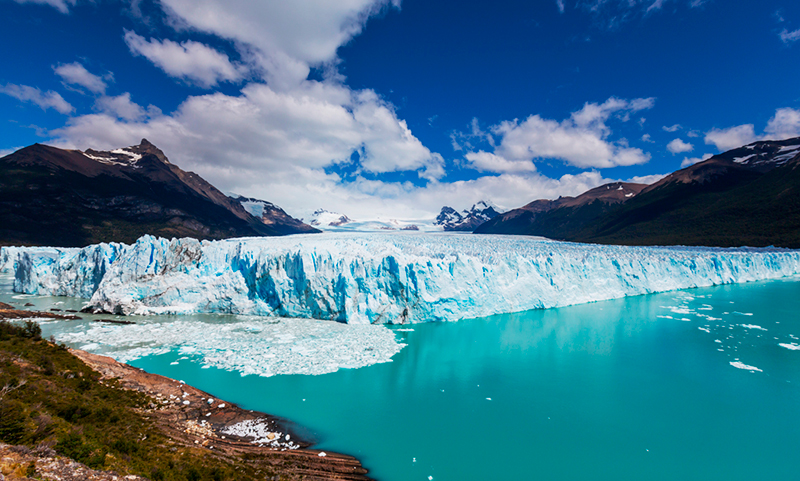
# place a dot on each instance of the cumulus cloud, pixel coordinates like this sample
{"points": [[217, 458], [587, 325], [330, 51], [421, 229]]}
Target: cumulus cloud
{"points": [[693, 160], [732, 137], [581, 140], [76, 74], [60, 5], [287, 37], [488, 162], [678, 146], [123, 107], [192, 61], [785, 124], [671, 128], [646, 179], [261, 132], [789, 37], [45, 100]]}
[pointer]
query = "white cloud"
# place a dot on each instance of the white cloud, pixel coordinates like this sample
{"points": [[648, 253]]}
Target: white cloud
{"points": [[262, 132], [123, 107], [488, 162], [789, 37], [580, 140], [732, 137], [646, 138], [691, 161], [60, 5], [191, 61], [672, 128], [646, 179], [785, 124], [45, 100], [76, 74], [560, 5], [287, 36], [678, 146]]}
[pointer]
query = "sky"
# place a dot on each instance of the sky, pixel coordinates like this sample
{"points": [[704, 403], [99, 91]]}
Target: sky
{"points": [[392, 109]]}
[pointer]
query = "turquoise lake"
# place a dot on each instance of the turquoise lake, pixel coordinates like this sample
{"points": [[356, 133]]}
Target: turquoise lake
{"points": [[685, 385]]}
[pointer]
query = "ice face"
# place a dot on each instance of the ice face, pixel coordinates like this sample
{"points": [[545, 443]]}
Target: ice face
{"points": [[378, 278]]}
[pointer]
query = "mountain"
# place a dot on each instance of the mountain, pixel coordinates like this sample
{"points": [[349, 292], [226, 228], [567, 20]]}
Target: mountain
{"points": [[272, 215], [467, 220], [563, 217], [324, 218], [746, 196], [52, 196]]}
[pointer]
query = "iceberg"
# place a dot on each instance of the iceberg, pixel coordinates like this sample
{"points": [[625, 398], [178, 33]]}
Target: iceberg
{"points": [[372, 278]]}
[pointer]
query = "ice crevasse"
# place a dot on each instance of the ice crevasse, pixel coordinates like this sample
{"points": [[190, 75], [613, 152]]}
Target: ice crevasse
{"points": [[375, 278]]}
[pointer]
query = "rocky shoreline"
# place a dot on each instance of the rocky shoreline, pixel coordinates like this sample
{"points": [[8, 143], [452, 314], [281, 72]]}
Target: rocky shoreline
{"points": [[190, 419], [194, 418]]}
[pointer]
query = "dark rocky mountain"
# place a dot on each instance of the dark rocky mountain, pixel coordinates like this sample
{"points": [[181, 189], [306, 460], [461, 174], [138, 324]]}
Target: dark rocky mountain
{"points": [[52, 196], [466, 220], [746, 196], [273, 216], [561, 218]]}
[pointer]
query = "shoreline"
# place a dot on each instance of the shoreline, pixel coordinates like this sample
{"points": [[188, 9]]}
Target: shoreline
{"points": [[185, 415], [195, 419]]}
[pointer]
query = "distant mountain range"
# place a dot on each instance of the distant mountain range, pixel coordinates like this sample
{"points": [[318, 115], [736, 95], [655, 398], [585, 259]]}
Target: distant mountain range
{"points": [[52, 196], [467, 220], [746, 196]]}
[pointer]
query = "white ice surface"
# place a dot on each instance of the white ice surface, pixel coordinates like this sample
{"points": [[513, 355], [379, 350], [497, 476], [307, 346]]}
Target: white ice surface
{"points": [[245, 344], [741, 365], [365, 278]]}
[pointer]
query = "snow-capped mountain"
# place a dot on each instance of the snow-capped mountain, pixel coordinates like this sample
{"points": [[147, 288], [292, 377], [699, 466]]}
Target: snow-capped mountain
{"points": [[467, 220], [324, 218], [745, 196], [60, 197], [272, 215]]}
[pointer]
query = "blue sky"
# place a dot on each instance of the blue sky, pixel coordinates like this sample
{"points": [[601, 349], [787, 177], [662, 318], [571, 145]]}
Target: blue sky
{"points": [[383, 109]]}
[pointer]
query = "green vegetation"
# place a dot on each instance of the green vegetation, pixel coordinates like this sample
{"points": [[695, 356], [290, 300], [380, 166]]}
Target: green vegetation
{"points": [[49, 398]]}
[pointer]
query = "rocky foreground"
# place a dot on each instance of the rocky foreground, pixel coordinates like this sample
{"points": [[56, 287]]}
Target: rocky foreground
{"points": [[58, 405], [192, 417]]}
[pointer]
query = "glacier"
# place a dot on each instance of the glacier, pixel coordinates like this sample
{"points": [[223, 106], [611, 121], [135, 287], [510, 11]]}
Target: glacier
{"points": [[371, 278]]}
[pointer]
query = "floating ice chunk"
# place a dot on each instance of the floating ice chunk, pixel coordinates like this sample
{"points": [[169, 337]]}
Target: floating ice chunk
{"points": [[741, 365], [263, 347], [792, 346], [752, 326]]}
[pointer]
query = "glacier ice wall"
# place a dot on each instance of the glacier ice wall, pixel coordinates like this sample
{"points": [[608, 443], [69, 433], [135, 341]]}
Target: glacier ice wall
{"points": [[379, 278]]}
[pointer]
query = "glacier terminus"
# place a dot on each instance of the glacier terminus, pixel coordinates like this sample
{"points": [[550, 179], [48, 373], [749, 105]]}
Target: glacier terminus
{"points": [[374, 278]]}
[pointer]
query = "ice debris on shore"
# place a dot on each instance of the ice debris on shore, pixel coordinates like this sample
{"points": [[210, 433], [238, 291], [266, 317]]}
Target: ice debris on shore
{"points": [[261, 432], [248, 345], [376, 278]]}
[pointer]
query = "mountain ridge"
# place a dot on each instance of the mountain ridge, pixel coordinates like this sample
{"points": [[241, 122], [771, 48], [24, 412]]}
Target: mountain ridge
{"points": [[745, 196], [58, 197]]}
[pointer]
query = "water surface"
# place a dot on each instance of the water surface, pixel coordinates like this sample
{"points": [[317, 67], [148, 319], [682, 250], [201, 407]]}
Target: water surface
{"points": [[641, 388]]}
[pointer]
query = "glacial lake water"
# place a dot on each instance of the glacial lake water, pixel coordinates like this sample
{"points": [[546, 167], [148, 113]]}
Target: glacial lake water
{"points": [[689, 385]]}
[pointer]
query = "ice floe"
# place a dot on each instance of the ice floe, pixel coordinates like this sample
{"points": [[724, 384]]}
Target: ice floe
{"points": [[741, 365], [246, 345]]}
